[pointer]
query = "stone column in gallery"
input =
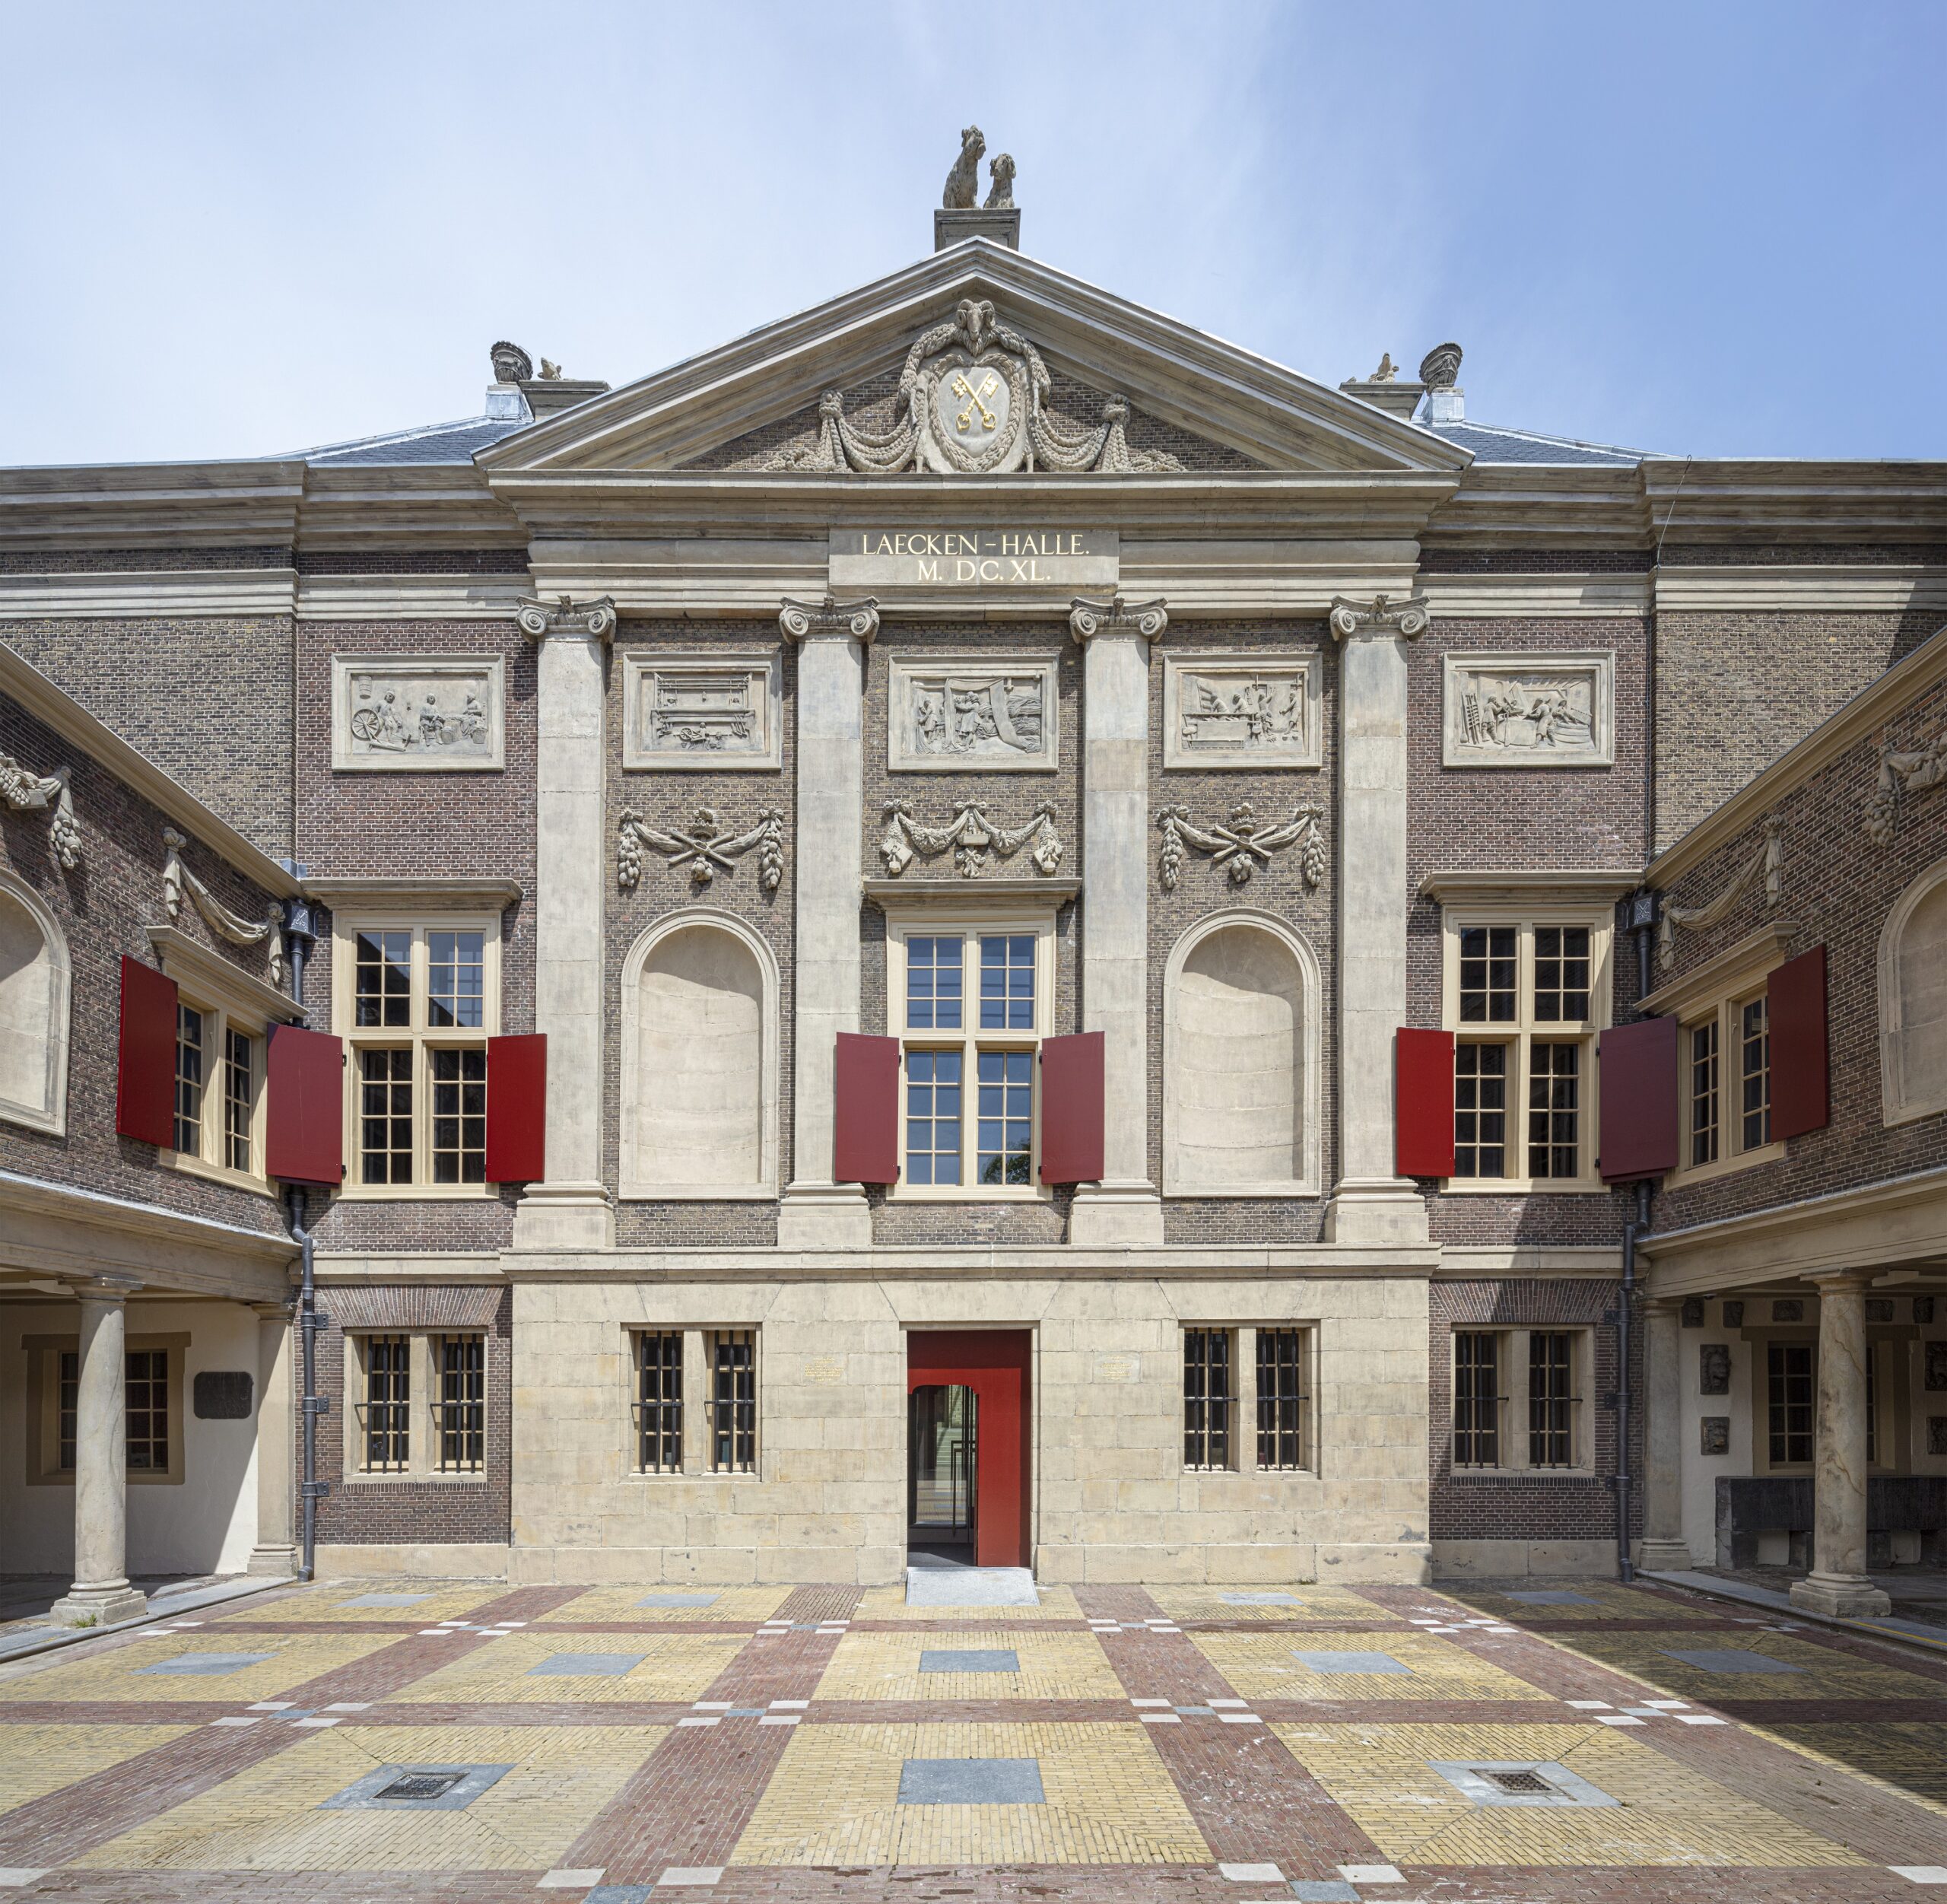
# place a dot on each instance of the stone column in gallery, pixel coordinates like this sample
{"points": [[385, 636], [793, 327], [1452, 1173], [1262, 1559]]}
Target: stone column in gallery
{"points": [[1663, 1548], [101, 1594]]}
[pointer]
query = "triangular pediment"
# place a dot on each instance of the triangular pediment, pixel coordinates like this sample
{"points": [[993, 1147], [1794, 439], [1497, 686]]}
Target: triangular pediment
{"points": [[1193, 402]]}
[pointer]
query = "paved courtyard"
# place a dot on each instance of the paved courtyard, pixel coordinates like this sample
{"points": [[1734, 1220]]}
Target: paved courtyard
{"points": [[416, 1740]]}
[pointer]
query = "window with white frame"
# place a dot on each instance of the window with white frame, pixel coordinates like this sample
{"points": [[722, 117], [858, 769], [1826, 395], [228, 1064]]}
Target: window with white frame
{"points": [[970, 1003], [418, 1403], [223, 1016], [1520, 1399], [416, 1001], [1526, 995]]}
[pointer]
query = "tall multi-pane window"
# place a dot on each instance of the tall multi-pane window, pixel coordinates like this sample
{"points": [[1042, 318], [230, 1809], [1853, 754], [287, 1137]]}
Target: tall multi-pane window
{"points": [[240, 1097], [1209, 1399], [975, 1008], [387, 1410], [462, 1361], [1704, 1092], [1523, 999], [219, 1068], [733, 1401], [1476, 1399], [1550, 1399], [1280, 1398], [419, 1003], [69, 1403], [1789, 1370], [659, 1401], [1754, 1071], [1726, 1087], [188, 1081], [146, 1401]]}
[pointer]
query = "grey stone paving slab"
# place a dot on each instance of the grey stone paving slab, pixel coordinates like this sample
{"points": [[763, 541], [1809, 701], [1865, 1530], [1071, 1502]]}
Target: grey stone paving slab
{"points": [[971, 1781], [1261, 1600], [679, 1600], [207, 1663], [1323, 1890], [385, 1600], [1334, 1662], [1553, 1596], [973, 1660], [1730, 1659], [970, 1587], [586, 1666], [470, 1781]]}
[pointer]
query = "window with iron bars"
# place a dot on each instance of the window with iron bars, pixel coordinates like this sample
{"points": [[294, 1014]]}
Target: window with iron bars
{"points": [[659, 1407], [1208, 1398], [1282, 1398], [386, 1413], [462, 1404], [1551, 1398], [733, 1401], [1476, 1399]]}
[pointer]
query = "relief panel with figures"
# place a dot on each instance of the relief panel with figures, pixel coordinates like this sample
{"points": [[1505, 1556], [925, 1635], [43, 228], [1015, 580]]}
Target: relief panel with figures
{"points": [[419, 713]]}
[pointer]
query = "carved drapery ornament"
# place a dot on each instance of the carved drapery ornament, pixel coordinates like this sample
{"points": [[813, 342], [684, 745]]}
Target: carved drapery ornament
{"points": [[1768, 859], [973, 399], [1090, 616], [179, 883], [799, 621], [971, 836], [1239, 846], [31, 793], [704, 848], [1904, 770], [1380, 616], [564, 616]]}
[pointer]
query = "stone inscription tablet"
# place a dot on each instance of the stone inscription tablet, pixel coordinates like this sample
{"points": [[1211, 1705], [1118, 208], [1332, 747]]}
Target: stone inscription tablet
{"points": [[973, 558]]}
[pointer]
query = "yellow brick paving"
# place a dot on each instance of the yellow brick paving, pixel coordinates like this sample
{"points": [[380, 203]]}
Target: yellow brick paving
{"points": [[267, 1817], [441, 1602], [749, 1604], [1612, 1601], [673, 1665], [1908, 1761], [1315, 1603], [36, 1760], [834, 1800], [292, 1659], [1666, 1814], [889, 1603], [1053, 1666], [1266, 1666], [1825, 1674]]}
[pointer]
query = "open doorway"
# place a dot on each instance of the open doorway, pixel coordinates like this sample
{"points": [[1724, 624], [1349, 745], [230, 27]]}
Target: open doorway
{"points": [[943, 1485]]}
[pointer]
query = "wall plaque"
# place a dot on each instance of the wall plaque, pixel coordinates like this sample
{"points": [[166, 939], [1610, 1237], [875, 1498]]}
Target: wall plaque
{"points": [[1556, 710], [982, 713], [703, 709], [970, 559], [1241, 710], [417, 713]]}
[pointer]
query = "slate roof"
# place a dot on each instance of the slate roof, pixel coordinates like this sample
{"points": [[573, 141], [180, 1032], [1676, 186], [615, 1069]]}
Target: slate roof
{"points": [[1491, 442], [430, 443]]}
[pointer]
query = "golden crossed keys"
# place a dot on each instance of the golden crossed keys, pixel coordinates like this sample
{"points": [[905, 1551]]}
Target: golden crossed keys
{"points": [[964, 421]]}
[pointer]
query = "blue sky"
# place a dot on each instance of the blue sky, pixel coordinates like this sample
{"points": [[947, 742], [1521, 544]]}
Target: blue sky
{"points": [[1709, 229]]}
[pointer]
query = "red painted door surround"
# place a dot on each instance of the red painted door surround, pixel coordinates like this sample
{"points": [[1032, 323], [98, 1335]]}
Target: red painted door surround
{"points": [[993, 1363]]}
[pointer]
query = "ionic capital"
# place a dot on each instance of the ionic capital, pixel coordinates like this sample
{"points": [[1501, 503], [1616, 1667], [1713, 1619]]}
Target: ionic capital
{"points": [[1381, 617], [564, 618], [1091, 615], [807, 620]]}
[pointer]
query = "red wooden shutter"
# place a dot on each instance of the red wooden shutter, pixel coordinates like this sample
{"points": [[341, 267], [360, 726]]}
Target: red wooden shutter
{"points": [[865, 1136], [517, 1109], [1636, 1066], [1072, 1108], [304, 1106], [1800, 1081], [145, 1070], [1423, 1103]]}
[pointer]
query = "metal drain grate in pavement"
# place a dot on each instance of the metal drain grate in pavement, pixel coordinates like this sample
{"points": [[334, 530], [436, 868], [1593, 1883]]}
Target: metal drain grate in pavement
{"points": [[421, 1788], [1516, 1785]]}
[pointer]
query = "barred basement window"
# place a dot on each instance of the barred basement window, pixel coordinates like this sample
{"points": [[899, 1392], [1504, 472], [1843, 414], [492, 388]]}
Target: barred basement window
{"points": [[1552, 1400], [1208, 1398], [386, 1413], [188, 1080], [1280, 1398], [733, 1402], [146, 1400], [462, 1404], [659, 1402], [1476, 1399], [1790, 1368]]}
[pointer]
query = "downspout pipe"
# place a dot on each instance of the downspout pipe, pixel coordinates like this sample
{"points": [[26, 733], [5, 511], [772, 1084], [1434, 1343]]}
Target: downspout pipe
{"points": [[299, 937], [1641, 921]]}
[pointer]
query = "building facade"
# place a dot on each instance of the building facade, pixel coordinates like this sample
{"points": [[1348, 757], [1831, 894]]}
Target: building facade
{"points": [[979, 924]]}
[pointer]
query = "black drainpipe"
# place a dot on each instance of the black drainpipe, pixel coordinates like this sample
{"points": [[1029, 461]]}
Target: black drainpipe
{"points": [[299, 936], [1642, 918]]}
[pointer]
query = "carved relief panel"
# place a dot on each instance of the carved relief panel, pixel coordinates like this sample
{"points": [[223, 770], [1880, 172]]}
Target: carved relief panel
{"points": [[1241, 710], [417, 713], [955, 713], [1530, 710], [703, 711]]}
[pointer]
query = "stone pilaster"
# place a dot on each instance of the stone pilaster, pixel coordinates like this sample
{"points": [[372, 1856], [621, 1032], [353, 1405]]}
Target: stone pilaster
{"points": [[817, 1213], [276, 1550], [1837, 1585], [570, 1210], [1663, 1548], [101, 1594], [1370, 1204], [1116, 636]]}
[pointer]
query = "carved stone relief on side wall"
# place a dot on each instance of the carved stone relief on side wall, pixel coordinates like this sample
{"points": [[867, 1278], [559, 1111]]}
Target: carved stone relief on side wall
{"points": [[417, 713], [1554, 710], [1241, 710], [990, 713], [703, 711]]}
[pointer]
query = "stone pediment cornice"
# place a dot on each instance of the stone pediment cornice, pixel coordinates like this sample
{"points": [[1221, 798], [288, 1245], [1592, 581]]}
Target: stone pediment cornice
{"points": [[1184, 376]]}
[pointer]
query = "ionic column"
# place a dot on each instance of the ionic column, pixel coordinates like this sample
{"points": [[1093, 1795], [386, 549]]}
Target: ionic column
{"points": [[1116, 636], [571, 1210], [1663, 1548], [276, 1550], [1837, 1583], [815, 1211], [1369, 1204], [101, 1594]]}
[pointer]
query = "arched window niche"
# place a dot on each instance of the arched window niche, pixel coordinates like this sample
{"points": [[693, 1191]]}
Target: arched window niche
{"points": [[1240, 1060], [1913, 1001], [699, 1060], [34, 981]]}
